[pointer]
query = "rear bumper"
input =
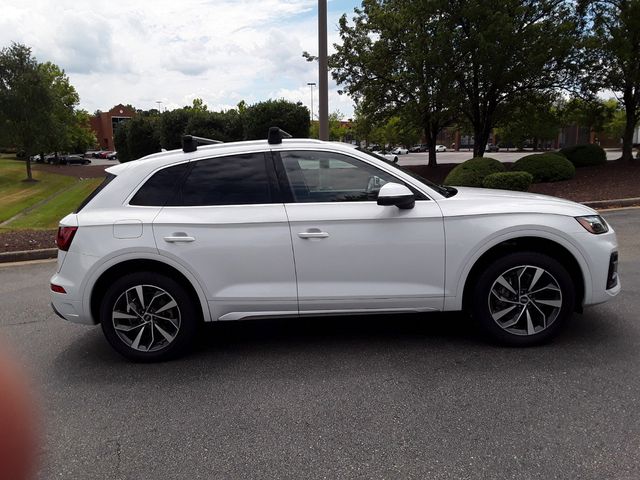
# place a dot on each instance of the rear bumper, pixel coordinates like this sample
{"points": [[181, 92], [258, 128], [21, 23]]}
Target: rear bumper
{"points": [[68, 305]]}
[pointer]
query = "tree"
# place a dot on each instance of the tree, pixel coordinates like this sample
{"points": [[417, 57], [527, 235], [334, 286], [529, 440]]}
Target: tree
{"points": [[615, 43], [593, 113], [137, 138], [80, 134], [615, 126], [336, 130], [120, 142], [502, 50], [64, 127], [25, 102], [172, 126], [203, 123], [290, 117], [391, 62], [533, 118]]}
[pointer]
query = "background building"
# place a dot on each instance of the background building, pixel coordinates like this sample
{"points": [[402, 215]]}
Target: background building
{"points": [[104, 124]]}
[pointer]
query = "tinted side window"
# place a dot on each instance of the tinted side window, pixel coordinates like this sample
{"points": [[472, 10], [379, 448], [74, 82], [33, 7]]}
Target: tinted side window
{"points": [[161, 188], [98, 189], [332, 177], [232, 180]]}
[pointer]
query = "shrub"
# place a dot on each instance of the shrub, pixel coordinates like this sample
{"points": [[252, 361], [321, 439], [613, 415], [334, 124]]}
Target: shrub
{"points": [[472, 172], [519, 181], [545, 167], [585, 155], [291, 117]]}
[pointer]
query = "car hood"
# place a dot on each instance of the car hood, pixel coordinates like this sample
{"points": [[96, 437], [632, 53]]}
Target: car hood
{"points": [[483, 201]]}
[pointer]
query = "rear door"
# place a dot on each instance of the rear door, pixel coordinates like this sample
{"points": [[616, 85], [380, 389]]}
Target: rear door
{"points": [[227, 224]]}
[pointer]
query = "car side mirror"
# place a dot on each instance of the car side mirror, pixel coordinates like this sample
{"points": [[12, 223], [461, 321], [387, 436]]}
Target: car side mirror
{"points": [[396, 194]]}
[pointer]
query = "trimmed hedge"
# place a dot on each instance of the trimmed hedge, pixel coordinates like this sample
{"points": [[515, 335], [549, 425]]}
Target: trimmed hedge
{"points": [[545, 167], [472, 172], [585, 155], [519, 181]]}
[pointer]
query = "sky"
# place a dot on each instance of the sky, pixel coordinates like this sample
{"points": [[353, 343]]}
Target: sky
{"points": [[140, 52]]}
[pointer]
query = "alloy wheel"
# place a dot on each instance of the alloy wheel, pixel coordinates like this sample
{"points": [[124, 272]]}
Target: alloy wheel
{"points": [[525, 300], [146, 318]]}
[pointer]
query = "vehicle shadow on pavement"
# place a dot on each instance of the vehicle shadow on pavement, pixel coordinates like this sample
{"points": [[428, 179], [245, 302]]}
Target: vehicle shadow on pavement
{"points": [[307, 346]]}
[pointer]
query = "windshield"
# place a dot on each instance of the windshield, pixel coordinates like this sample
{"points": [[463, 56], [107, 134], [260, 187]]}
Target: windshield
{"points": [[441, 189]]}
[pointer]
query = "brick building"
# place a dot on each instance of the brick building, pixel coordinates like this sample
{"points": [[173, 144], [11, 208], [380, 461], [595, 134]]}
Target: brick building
{"points": [[104, 124]]}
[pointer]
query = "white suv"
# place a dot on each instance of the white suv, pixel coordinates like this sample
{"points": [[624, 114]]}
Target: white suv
{"points": [[298, 227]]}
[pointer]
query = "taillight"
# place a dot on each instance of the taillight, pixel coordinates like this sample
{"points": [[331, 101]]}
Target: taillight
{"points": [[65, 237]]}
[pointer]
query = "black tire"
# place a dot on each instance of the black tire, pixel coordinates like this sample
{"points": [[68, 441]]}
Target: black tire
{"points": [[188, 317], [509, 266]]}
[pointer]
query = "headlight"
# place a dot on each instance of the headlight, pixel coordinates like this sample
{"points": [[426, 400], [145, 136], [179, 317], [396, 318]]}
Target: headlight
{"points": [[594, 224]]}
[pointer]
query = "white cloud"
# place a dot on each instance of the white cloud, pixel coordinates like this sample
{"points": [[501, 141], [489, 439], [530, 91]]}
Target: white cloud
{"points": [[140, 52]]}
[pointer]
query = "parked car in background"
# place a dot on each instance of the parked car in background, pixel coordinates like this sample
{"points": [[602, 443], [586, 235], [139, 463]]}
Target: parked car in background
{"points": [[400, 151], [112, 156], [415, 149], [441, 148], [392, 157], [491, 147]]}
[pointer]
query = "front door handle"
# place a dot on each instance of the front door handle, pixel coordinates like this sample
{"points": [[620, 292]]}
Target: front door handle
{"points": [[175, 238], [313, 233]]}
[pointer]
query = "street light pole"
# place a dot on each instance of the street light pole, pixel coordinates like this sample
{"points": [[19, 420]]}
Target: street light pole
{"points": [[311, 85], [323, 87]]}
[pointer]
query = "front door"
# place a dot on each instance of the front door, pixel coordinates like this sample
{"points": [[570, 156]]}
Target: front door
{"points": [[352, 255]]}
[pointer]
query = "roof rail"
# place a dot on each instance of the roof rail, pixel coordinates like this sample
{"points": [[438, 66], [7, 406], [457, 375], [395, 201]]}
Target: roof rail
{"points": [[190, 143], [276, 135]]}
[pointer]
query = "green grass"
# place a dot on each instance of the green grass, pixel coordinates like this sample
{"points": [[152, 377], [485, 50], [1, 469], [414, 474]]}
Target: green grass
{"points": [[49, 214], [16, 196]]}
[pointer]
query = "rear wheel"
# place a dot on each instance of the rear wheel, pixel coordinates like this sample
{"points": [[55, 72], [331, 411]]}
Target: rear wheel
{"points": [[523, 298], [148, 317]]}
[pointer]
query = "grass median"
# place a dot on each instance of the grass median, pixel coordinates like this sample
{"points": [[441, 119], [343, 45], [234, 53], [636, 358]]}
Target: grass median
{"points": [[38, 205]]}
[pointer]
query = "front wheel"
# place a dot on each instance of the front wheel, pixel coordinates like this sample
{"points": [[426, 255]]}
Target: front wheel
{"points": [[148, 317], [523, 298]]}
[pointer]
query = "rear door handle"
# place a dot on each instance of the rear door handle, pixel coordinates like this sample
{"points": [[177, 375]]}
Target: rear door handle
{"points": [[178, 238], [315, 233]]}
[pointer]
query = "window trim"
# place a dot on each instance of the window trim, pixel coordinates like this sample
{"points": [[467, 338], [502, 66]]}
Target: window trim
{"points": [[287, 189]]}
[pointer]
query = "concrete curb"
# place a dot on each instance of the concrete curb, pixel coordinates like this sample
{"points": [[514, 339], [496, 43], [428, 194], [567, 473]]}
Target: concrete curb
{"points": [[617, 203], [45, 253], [25, 255]]}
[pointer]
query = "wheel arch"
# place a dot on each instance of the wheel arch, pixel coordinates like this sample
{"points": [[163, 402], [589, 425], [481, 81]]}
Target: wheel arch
{"points": [[541, 245], [138, 265]]}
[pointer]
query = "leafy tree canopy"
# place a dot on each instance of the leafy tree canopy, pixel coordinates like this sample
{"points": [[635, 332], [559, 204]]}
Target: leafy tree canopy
{"points": [[613, 46]]}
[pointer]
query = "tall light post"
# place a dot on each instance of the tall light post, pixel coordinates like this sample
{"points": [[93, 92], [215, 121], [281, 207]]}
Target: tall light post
{"points": [[159, 102], [311, 85], [323, 87]]}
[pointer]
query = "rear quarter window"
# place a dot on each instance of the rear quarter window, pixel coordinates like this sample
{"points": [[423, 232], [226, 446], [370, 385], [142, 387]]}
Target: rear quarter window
{"points": [[161, 188], [98, 189]]}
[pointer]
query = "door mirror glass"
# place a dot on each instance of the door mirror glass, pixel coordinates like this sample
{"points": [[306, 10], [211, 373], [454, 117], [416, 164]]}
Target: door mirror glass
{"points": [[396, 194]]}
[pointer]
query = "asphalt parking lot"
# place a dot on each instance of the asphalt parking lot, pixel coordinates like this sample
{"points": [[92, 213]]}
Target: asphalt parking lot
{"points": [[367, 397]]}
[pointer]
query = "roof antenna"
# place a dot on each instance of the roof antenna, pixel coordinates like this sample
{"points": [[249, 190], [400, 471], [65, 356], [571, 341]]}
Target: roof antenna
{"points": [[276, 135]]}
